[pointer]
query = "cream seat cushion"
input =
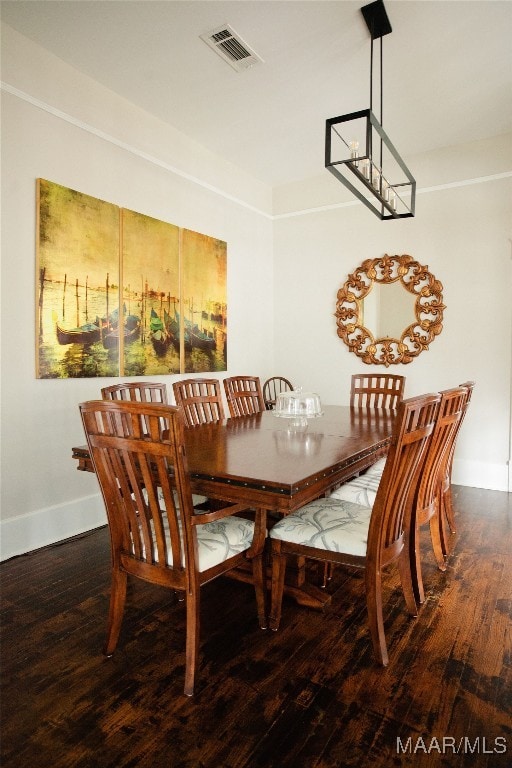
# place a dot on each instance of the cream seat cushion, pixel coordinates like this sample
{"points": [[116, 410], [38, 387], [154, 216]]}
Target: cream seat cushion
{"points": [[216, 542], [331, 524], [362, 489]]}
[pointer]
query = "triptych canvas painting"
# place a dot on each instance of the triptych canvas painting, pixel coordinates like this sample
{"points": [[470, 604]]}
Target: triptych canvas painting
{"points": [[122, 294]]}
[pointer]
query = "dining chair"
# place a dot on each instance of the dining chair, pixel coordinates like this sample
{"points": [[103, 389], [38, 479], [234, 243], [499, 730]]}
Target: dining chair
{"points": [[140, 391], [243, 395], [376, 390], [366, 537], [156, 540], [272, 388], [144, 392], [446, 515], [426, 501], [200, 400]]}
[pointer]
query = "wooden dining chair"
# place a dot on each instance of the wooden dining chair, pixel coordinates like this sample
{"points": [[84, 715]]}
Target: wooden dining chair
{"points": [[426, 501], [200, 400], [376, 390], [352, 534], [243, 395], [139, 391], [272, 388], [157, 540], [446, 515]]}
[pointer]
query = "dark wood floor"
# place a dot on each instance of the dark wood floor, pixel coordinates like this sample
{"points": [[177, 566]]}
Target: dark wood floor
{"points": [[308, 696]]}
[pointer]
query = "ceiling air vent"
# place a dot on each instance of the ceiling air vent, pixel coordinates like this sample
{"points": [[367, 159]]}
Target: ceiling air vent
{"points": [[230, 47]]}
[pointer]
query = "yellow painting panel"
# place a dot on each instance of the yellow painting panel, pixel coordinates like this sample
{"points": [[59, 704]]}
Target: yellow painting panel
{"points": [[204, 302], [151, 287], [77, 283]]}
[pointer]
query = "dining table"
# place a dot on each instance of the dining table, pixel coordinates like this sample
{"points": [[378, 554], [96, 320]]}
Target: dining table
{"points": [[265, 461]]}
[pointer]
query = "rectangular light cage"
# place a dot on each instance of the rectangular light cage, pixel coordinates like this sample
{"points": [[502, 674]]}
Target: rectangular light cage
{"points": [[358, 153]]}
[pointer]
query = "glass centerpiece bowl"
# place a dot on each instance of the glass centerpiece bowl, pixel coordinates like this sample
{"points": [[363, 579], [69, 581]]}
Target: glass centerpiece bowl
{"points": [[298, 407]]}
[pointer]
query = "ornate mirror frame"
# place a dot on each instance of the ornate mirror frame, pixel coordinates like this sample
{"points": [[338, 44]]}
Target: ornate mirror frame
{"points": [[428, 310]]}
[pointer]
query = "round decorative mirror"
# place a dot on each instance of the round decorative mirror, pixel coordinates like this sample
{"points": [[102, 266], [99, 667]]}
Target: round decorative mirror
{"points": [[389, 294]]}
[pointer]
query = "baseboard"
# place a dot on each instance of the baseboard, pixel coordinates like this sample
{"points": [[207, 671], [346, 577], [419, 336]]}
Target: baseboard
{"points": [[479, 474], [47, 526]]}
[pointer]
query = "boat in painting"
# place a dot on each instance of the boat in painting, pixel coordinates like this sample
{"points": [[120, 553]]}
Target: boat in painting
{"points": [[131, 332], [88, 333], [195, 336], [158, 333], [173, 329], [200, 339]]}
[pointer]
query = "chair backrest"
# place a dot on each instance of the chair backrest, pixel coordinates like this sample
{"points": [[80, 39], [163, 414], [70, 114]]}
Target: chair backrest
{"points": [[136, 391], [377, 390], [391, 513], [134, 447], [468, 386], [200, 400], [244, 395], [272, 388], [451, 409]]}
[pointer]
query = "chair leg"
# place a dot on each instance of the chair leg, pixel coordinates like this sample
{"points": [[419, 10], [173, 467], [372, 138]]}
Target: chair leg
{"points": [[328, 572], [192, 641], [444, 532], [278, 573], [375, 617], [260, 587], [437, 546], [447, 498], [415, 565], [405, 568], [116, 609]]}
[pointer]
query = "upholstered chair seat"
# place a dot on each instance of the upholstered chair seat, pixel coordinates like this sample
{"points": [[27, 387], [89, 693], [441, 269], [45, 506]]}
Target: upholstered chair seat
{"points": [[216, 541], [327, 523], [362, 489]]}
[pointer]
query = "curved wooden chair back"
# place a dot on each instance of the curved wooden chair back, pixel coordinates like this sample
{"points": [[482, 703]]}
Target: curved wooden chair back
{"points": [[200, 400], [272, 388], [136, 449], [136, 391], [243, 395], [446, 515], [389, 524], [377, 390], [426, 502]]}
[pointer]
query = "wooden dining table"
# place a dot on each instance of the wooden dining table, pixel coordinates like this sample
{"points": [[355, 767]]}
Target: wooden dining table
{"points": [[263, 461]]}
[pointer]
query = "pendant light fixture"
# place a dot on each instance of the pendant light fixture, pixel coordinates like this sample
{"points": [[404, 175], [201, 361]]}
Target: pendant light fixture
{"points": [[359, 153]]}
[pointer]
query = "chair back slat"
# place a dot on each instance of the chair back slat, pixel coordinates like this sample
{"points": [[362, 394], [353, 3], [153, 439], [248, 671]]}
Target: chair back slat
{"points": [[376, 390], [272, 388], [200, 400], [413, 427], [136, 391], [244, 395]]}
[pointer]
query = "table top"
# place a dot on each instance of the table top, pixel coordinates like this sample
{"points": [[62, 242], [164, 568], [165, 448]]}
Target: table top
{"points": [[261, 460], [264, 455]]}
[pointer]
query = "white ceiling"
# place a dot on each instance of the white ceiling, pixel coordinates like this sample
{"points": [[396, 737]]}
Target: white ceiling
{"points": [[447, 70]]}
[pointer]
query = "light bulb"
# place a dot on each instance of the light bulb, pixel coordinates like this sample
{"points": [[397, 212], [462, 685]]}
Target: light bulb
{"points": [[375, 177], [354, 152]]}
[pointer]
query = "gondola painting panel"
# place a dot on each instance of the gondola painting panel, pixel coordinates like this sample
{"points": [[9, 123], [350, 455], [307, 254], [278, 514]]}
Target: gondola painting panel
{"points": [[204, 302], [77, 301]]}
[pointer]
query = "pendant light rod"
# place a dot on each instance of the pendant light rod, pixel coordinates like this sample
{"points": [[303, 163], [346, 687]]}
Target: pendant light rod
{"points": [[385, 191]]}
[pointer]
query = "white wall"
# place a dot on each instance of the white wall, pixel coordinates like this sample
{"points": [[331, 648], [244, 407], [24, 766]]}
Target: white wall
{"points": [[104, 147], [462, 231], [283, 274]]}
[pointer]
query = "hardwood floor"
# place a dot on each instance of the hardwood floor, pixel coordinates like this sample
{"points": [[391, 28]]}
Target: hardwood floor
{"points": [[307, 696]]}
